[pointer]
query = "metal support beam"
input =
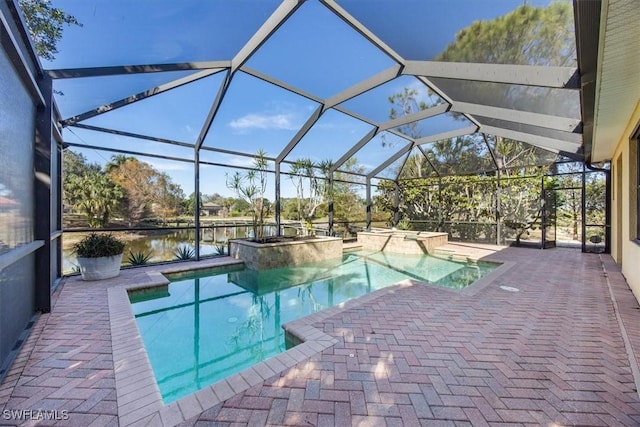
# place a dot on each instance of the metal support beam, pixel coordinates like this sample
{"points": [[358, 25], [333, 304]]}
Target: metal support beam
{"points": [[447, 135], [529, 75], [404, 150], [196, 208], [280, 83], [356, 25], [139, 96], [364, 86], [433, 166], [132, 153], [493, 156], [369, 203], [524, 117], [277, 18], [214, 110], [583, 209], [42, 196], [278, 201], [353, 150], [498, 209], [550, 144], [132, 135], [421, 115], [396, 203], [300, 134], [330, 202], [73, 73]]}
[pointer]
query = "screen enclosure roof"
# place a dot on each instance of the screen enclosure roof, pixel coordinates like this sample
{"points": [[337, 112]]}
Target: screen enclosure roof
{"points": [[350, 82]]}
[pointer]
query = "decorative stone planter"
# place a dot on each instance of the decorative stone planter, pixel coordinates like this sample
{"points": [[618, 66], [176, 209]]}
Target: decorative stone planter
{"points": [[402, 242], [100, 268], [262, 256]]}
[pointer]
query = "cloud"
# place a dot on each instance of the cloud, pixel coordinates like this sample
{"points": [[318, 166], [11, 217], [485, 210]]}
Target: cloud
{"points": [[265, 121]]}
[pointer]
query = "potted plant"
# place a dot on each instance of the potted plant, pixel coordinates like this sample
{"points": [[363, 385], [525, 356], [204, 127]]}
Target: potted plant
{"points": [[99, 256]]}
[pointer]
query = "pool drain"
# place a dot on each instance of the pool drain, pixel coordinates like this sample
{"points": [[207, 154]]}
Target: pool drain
{"points": [[509, 289]]}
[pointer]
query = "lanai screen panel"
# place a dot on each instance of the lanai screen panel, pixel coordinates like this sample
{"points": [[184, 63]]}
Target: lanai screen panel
{"points": [[85, 94], [330, 137], [535, 99], [440, 123], [316, 52], [417, 166], [177, 114], [121, 32], [123, 143], [462, 155], [510, 154], [256, 114], [402, 96], [323, 76], [423, 30]]}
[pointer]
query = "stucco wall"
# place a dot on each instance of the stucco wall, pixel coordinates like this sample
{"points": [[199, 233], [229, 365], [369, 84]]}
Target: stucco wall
{"points": [[630, 249]]}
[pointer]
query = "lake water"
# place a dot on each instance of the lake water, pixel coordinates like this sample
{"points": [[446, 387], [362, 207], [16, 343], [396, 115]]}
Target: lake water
{"points": [[162, 244]]}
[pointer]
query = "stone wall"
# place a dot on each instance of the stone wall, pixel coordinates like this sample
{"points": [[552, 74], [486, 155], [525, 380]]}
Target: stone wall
{"points": [[402, 242], [261, 256]]}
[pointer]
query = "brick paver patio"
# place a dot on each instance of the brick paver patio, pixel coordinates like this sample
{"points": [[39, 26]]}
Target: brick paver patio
{"points": [[561, 350]]}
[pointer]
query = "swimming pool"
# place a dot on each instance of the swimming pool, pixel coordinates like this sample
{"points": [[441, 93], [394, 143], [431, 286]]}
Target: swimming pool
{"points": [[205, 326]]}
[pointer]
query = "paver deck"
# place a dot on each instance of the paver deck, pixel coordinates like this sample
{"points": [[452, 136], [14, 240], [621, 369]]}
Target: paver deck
{"points": [[553, 340]]}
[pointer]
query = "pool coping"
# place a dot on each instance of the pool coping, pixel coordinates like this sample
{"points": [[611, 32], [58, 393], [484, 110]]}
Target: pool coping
{"points": [[138, 396]]}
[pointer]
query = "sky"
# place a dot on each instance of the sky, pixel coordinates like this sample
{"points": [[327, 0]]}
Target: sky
{"points": [[314, 51]]}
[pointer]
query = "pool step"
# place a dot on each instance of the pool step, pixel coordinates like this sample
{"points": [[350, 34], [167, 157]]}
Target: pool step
{"points": [[352, 246], [453, 255]]}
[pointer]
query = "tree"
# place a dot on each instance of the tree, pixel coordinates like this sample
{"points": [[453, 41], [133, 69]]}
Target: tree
{"points": [[251, 187], [347, 203], [306, 175], [528, 35], [87, 189], [45, 24], [190, 204], [146, 189]]}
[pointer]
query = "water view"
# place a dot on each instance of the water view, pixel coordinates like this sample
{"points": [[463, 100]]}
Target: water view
{"points": [[162, 244]]}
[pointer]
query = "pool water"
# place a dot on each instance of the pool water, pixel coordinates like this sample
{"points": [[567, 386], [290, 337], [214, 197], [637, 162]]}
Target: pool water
{"points": [[205, 326]]}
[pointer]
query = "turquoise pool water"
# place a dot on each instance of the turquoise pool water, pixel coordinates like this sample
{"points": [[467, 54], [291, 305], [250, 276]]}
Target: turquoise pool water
{"points": [[205, 326]]}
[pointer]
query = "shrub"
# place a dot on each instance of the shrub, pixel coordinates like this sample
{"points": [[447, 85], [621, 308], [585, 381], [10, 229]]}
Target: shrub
{"points": [[97, 245]]}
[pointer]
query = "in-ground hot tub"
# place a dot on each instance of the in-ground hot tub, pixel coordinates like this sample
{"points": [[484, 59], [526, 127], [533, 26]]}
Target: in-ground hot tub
{"points": [[402, 242], [261, 256]]}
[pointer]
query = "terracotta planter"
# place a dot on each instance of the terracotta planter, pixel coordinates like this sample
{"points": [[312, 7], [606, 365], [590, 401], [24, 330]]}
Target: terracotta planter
{"points": [[100, 268]]}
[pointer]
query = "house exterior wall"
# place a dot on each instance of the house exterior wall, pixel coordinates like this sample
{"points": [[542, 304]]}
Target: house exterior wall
{"points": [[625, 249]]}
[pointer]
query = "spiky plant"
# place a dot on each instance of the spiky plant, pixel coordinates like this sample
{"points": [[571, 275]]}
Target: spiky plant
{"points": [[139, 258], [220, 249], [184, 253]]}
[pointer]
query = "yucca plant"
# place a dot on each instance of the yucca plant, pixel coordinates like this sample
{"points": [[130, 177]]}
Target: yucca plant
{"points": [[139, 258], [184, 253], [220, 248]]}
